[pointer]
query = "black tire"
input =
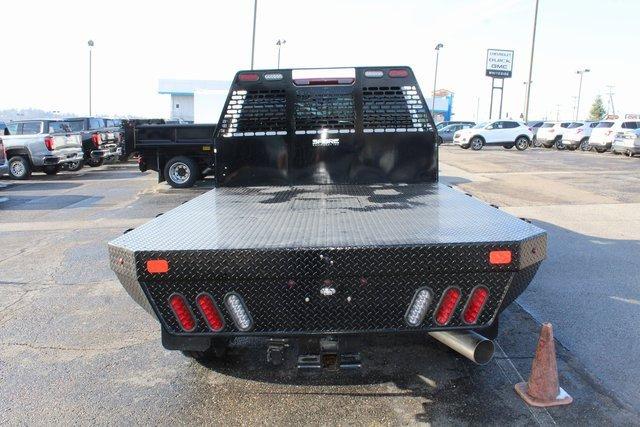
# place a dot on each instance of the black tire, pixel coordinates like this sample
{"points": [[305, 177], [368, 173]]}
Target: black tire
{"points": [[508, 146], [522, 143], [601, 150], [584, 144], [94, 163], [536, 143], [630, 153], [19, 168], [181, 172], [465, 147], [476, 143], [572, 147], [559, 145], [216, 351], [75, 166], [51, 169]]}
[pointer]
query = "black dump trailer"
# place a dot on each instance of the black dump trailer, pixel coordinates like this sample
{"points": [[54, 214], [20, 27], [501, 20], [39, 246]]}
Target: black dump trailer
{"points": [[327, 222]]}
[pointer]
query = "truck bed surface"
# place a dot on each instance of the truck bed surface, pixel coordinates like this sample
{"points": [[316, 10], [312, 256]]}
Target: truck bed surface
{"points": [[318, 216]]}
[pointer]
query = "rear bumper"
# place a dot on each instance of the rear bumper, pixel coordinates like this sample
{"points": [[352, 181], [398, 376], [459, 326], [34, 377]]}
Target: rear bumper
{"points": [[600, 144], [60, 158], [620, 148], [570, 143], [372, 288]]}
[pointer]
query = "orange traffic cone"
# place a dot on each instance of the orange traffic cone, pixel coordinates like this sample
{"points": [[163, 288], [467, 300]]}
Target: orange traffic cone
{"points": [[542, 389]]}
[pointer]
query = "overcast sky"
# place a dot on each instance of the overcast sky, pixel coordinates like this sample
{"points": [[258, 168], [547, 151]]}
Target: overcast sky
{"points": [[44, 62]]}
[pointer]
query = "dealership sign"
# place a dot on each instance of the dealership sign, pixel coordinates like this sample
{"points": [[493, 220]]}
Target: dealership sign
{"points": [[499, 63]]}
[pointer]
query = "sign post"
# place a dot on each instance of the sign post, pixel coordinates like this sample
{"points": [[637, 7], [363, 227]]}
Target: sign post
{"points": [[499, 67]]}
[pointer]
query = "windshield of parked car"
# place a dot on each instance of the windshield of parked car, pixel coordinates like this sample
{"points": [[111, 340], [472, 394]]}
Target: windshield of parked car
{"points": [[548, 125], [449, 128], [575, 125], [480, 125], [441, 125], [75, 126], [58, 127], [605, 125]]}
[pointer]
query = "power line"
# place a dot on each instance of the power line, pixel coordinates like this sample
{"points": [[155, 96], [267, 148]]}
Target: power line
{"points": [[610, 104]]}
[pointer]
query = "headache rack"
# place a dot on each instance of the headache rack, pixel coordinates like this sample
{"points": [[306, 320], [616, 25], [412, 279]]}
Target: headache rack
{"points": [[331, 126]]}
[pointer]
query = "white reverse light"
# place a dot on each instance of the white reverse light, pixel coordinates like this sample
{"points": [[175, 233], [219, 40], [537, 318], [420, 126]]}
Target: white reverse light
{"points": [[418, 307], [238, 312]]}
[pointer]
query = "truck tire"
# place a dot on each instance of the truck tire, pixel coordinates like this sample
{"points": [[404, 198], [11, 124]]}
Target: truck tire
{"points": [[522, 143], [51, 169], [75, 166], [95, 163], [216, 351], [476, 143], [19, 167], [181, 172]]}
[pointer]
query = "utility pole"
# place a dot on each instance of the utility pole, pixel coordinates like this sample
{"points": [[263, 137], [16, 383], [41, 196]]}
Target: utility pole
{"points": [[253, 37], [524, 107], [90, 43], [279, 43], [581, 72], [435, 77], [613, 108], [533, 45]]}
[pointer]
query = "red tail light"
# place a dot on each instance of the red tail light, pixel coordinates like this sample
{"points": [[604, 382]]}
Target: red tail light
{"points": [[49, 143], [447, 306], [210, 312], [398, 73], [182, 312], [475, 305], [95, 138], [249, 77], [500, 257], [157, 266]]}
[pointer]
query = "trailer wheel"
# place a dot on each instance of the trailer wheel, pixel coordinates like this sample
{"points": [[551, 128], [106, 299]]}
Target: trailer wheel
{"points": [[216, 351], [181, 172], [19, 167]]}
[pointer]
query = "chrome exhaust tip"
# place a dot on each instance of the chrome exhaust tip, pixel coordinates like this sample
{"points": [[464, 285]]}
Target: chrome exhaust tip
{"points": [[470, 344]]}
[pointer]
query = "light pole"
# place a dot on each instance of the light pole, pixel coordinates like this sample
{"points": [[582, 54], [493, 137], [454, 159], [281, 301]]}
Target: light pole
{"points": [[581, 72], [253, 37], [279, 43], [435, 77], [533, 46], [524, 107], [90, 44]]}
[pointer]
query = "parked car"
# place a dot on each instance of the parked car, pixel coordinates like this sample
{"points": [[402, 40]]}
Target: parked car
{"points": [[508, 133], [550, 134], [603, 135], [577, 135], [4, 164], [99, 142], [627, 142], [41, 145], [453, 122], [535, 125], [446, 133]]}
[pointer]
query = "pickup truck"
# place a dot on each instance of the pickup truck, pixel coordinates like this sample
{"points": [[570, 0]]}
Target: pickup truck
{"points": [[99, 142], [4, 165], [45, 145], [327, 222], [126, 147]]}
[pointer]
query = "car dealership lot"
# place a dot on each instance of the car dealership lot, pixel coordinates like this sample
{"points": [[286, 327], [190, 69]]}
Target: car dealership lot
{"points": [[75, 348]]}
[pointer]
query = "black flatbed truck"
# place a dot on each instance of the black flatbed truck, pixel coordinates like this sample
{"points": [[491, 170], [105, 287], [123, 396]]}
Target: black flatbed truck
{"points": [[327, 222]]}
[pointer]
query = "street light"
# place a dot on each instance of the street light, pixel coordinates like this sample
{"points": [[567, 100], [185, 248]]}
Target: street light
{"points": [[253, 37], [435, 77], [280, 43], [90, 44], [581, 72], [533, 46]]}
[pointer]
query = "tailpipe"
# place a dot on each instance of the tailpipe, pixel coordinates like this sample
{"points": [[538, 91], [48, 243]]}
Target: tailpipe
{"points": [[470, 344]]}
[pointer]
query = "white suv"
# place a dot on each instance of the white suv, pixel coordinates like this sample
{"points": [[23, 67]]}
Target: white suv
{"points": [[577, 135], [603, 135], [550, 134], [507, 133]]}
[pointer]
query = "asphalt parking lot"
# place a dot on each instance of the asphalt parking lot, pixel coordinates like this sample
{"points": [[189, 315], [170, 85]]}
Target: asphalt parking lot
{"points": [[74, 348]]}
